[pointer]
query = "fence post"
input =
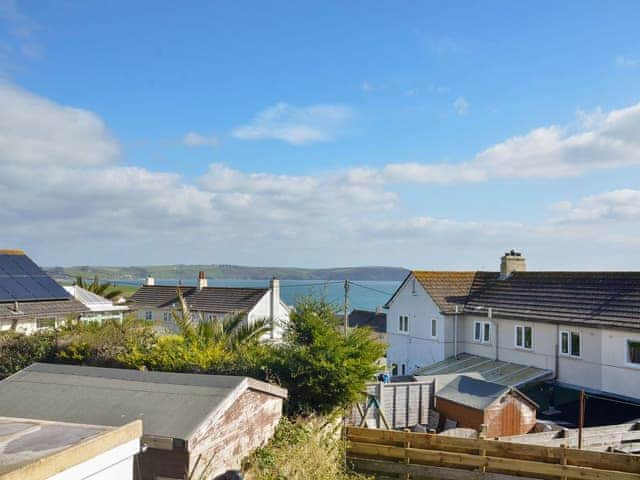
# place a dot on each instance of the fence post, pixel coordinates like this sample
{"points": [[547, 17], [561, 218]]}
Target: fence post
{"points": [[482, 435], [380, 395], [563, 458], [407, 445]]}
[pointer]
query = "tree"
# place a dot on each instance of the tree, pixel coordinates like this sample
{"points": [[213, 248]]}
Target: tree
{"points": [[230, 332], [106, 290], [321, 367]]}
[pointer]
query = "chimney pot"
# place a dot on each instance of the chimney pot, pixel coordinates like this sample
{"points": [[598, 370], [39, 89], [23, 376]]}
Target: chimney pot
{"points": [[512, 261], [150, 281]]}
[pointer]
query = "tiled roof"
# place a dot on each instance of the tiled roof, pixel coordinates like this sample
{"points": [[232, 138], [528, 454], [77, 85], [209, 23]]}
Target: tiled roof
{"points": [[448, 289], [594, 298], [209, 299], [366, 318], [57, 308]]}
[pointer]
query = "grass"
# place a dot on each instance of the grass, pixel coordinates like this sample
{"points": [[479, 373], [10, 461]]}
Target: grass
{"points": [[127, 290], [303, 449]]}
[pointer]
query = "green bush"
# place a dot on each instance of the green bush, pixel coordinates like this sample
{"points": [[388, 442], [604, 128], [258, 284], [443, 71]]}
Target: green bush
{"points": [[320, 367], [18, 351]]}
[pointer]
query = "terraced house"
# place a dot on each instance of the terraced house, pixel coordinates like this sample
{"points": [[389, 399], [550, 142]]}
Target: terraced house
{"points": [[581, 328], [157, 302]]}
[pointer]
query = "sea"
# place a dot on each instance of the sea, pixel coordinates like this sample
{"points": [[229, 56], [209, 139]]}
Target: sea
{"points": [[362, 295]]}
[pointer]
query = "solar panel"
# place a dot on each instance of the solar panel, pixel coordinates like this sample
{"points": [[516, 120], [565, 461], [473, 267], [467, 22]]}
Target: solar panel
{"points": [[21, 279]]}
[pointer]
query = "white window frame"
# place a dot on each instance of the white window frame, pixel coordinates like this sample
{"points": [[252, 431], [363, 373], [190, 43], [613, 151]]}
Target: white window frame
{"points": [[515, 337], [210, 317], [434, 326], [626, 352], [477, 323], [53, 324], [569, 353], [403, 327], [167, 317], [484, 329], [148, 315]]}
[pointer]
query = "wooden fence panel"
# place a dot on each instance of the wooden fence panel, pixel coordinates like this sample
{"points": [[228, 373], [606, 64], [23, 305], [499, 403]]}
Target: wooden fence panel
{"points": [[404, 404], [491, 455]]}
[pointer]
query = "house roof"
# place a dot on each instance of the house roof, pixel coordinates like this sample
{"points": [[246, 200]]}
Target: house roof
{"points": [[366, 318], [449, 289], [495, 371], [609, 299], [22, 280], [41, 309], [38, 450], [93, 301], [171, 405], [475, 393], [208, 299]]}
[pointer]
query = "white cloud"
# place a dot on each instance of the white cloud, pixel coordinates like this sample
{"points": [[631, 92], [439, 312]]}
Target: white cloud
{"points": [[602, 141], [617, 205], [461, 106], [296, 125], [626, 61], [193, 139]]}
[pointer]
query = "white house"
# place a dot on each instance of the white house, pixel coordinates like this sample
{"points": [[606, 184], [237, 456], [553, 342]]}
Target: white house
{"points": [[584, 327], [31, 300], [99, 308], [157, 302]]}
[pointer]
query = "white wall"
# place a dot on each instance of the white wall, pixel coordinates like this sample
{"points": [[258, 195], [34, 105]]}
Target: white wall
{"points": [[116, 463], [416, 348]]}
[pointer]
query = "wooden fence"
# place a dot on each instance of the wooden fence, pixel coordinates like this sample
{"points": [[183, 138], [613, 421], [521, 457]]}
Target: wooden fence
{"points": [[397, 454], [404, 404]]}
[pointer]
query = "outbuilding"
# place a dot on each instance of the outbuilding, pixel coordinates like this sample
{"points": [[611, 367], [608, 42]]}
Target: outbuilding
{"points": [[195, 426], [472, 403]]}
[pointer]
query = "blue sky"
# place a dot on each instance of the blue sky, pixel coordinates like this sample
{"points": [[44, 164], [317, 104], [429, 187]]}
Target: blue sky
{"points": [[340, 133]]}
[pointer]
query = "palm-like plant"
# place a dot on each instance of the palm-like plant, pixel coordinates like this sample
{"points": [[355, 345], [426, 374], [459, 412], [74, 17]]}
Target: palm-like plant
{"points": [[106, 289], [231, 331]]}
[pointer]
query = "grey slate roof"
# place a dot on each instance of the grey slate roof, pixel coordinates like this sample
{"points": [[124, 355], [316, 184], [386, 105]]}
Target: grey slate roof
{"points": [[209, 299], [475, 393], [366, 318], [169, 404], [42, 308]]}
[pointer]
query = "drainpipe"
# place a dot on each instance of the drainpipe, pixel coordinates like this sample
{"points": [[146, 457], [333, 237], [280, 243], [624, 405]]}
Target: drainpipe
{"points": [[557, 351], [490, 316], [455, 332]]}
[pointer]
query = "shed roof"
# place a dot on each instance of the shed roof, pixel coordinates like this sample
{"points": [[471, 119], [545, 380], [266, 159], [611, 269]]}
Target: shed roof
{"points": [[171, 405], [488, 369], [366, 318], [208, 299], [37, 449], [475, 393]]}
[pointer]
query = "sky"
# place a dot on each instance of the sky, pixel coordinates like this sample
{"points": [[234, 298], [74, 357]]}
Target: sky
{"points": [[423, 134]]}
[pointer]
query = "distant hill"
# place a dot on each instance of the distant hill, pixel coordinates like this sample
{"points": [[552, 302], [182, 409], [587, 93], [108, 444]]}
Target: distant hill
{"points": [[229, 272]]}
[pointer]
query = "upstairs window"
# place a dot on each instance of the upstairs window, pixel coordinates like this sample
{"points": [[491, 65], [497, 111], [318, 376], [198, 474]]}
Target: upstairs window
{"points": [[404, 323], [434, 328], [633, 352], [482, 331], [570, 343], [524, 337]]}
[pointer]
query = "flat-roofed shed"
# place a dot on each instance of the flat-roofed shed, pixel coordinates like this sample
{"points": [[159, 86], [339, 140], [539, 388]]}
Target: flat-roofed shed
{"points": [[199, 425]]}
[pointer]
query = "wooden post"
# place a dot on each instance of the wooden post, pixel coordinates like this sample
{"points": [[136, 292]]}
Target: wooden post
{"points": [[482, 435], [380, 395], [581, 419], [407, 445], [563, 458]]}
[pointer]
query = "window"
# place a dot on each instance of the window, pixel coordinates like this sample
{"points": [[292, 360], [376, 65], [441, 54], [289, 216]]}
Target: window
{"points": [[167, 317], [633, 352], [404, 323], [49, 322], [477, 329], [210, 317], [482, 331], [434, 328], [524, 337], [570, 343], [404, 369], [394, 369], [148, 315], [486, 332]]}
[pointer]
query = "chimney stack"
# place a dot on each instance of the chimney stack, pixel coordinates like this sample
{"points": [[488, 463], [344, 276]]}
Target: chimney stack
{"points": [[512, 262], [150, 281], [202, 281]]}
